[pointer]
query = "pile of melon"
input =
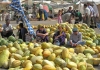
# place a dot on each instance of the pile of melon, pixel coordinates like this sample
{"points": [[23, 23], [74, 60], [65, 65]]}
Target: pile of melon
{"points": [[18, 55]]}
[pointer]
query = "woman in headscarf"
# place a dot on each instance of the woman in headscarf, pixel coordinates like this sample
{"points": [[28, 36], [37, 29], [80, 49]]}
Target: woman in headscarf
{"points": [[59, 36]]}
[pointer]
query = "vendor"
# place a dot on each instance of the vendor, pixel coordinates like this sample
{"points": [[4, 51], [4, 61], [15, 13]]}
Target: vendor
{"points": [[59, 36], [41, 34], [75, 38], [6, 29], [22, 31]]}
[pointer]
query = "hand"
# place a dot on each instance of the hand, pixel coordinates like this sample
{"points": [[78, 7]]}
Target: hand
{"points": [[75, 44], [43, 36], [56, 37]]}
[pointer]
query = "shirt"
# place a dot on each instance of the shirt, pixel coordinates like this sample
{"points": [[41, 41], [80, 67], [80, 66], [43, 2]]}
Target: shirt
{"points": [[41, 6], [76, 38], [91, 10], [87, 11], [7, 28], [66, 17]]}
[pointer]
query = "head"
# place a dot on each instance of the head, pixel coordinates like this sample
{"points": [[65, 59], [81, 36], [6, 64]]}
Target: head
{"points": [[85, 5], [40, 27], [21, 25], [75, 31], [70, 8], [77, 10], [7, 21], [88, 4], [33, 4], [60, 28]]}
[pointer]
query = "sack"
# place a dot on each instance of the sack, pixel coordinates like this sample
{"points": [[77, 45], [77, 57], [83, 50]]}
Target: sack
{"points": [[38, 16], [28, 38], [42, 16], [17, 33]]}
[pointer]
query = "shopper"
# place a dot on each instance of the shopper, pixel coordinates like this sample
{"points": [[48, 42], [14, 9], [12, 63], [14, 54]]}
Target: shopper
{"points": [[41, 12], [86, 18], [59, 16], [92, 15], [45, 14]]}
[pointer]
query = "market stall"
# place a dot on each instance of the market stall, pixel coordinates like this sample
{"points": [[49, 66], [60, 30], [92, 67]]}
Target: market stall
{"points": [[80, 5]]}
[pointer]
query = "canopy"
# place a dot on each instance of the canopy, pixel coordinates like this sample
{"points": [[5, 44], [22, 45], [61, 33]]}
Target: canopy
{"points": [[5, 2], [85, 1], [94, 2]]}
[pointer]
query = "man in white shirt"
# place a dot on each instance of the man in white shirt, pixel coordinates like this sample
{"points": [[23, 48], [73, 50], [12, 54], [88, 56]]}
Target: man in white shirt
{"points": [[92, 15], [66, 17], [6, 29], [87, 13], [40, 12]]}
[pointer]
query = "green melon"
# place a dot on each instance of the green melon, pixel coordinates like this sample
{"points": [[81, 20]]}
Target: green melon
{"points": [[12, 38], [89, 51], [3, 42], [20, 40], [96, 41]]}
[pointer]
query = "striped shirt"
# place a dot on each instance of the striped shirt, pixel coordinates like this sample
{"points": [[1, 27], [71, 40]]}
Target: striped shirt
{"points": [[92, 10]]}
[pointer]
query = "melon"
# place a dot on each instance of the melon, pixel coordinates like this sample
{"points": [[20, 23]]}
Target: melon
{"points": [[48, 67], [4, 56], [45, 45], [12, 38], [37, 67], [16, 63], [4, 42], [71, 65], [89, 51]]}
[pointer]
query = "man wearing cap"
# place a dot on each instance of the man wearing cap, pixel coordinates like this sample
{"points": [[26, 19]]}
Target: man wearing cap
{"points": [[75, 38], [41, 34]]}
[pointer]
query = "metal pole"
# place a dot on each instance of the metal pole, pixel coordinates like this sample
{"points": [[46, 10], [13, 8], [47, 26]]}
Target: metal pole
{"points": [[42, 1]]}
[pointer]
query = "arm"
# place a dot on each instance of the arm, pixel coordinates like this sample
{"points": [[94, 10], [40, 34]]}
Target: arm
{"points": [[80, 38], [62, 34], [71, 40], [41, 34], [10, 28]]}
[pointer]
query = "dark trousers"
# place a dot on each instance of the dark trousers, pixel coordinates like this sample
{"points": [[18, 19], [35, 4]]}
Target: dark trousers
{"points": [[93, 23], [7, 34], [40, 13]]}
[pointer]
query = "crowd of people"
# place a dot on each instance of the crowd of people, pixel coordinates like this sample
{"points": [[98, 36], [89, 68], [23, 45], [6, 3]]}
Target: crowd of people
{"points": [[42, 35], [74, 16], [71, 16]]}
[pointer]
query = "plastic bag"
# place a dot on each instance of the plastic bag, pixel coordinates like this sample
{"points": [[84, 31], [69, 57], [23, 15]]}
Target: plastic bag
{"points": [[42, 16], [38, 16]]}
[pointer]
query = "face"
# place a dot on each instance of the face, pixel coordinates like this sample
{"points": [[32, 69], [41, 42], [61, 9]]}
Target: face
{"points": [[75, 33], [60, 28], [41, 28], [7, 22]]}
